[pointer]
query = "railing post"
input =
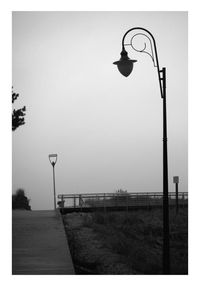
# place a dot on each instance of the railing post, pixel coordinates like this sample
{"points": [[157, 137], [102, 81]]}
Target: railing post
{"points": [[104, 207], [183, 199], [80, 201], [149, 201], [62, 203], [127, 203]]}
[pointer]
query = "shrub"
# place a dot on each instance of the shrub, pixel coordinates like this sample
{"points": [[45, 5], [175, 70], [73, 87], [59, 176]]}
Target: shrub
{"points": [[20, 201]]}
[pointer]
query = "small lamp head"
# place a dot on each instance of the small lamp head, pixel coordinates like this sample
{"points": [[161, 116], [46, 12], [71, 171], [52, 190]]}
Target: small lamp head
{"points": [[53, 159]]}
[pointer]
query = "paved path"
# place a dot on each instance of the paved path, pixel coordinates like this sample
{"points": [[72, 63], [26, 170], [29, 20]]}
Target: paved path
{"points": [[39, 244]]}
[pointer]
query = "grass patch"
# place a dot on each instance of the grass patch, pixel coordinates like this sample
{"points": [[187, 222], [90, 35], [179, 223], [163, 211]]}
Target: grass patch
{"points": [[130, 241]]}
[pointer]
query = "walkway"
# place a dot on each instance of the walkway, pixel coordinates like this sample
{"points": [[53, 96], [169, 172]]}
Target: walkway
{"points": [[39, 244]]}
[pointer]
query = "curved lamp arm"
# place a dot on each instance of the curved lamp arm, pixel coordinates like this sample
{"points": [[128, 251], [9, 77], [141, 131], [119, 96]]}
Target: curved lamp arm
{"points": [[156, 64], [153, 54]]}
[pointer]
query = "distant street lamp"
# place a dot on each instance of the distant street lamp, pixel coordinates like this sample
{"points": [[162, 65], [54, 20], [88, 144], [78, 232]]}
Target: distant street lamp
{"points": [[53, 160], [125, 66]]}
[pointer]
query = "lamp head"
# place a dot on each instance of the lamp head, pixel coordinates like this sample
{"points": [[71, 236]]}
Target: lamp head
{"points": [[125, 64], [53, 159]]}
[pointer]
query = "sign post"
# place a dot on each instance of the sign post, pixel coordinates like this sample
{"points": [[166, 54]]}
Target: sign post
{"points": [[176, 181]]}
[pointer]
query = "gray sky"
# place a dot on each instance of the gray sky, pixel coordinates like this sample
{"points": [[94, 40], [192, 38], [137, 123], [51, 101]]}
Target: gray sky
{"points": [[105, 128]]}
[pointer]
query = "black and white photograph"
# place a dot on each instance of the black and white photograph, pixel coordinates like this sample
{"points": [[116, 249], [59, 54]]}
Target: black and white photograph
{"points": [[99, 143]]}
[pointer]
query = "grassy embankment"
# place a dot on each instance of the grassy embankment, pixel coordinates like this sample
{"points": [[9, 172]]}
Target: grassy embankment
{"points": [[126, 243]]}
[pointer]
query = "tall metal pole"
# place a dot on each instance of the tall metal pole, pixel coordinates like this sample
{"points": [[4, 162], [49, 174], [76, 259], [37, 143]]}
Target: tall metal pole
{"points": [[166, 246], [54, 186]]}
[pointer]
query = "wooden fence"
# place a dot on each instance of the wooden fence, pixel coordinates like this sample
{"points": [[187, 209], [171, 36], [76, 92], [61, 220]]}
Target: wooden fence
{"points": [[126, 200]]}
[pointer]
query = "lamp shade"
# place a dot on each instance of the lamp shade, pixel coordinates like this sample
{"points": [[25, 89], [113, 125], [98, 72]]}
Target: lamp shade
{"points": [[53, 159], [125, 64]]}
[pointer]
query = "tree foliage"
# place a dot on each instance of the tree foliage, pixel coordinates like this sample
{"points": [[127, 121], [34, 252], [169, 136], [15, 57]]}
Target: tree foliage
{"points": [[121, 192], [20, 201], [17, 114], [121, 195]]}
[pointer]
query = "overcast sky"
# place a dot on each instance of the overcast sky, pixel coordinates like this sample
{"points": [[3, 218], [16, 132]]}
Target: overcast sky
{"points": [[105, 128]]}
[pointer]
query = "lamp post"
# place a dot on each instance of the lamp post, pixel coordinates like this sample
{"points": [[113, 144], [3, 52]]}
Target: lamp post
{"points": [[53, 160], [125, 67]]}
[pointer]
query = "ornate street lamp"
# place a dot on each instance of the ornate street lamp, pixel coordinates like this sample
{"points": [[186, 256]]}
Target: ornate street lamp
{"points": [[53, 160], [125, 66]]}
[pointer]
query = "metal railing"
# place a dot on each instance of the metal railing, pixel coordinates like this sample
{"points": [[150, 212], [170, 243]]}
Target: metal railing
{"points": [[106, 200]]}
